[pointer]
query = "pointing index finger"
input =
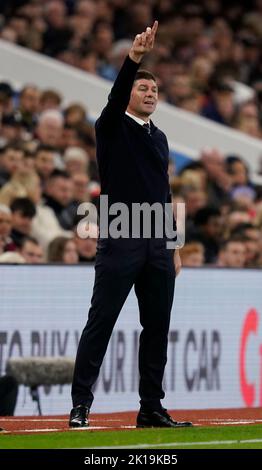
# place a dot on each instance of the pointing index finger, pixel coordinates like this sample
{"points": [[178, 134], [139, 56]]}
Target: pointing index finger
{"points": [[154, 28]]}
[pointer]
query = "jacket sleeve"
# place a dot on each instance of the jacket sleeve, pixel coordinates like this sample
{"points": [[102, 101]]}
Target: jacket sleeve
{"points": [[120, 94]]}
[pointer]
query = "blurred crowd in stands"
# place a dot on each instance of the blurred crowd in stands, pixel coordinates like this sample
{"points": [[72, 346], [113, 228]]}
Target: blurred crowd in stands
{"points": [[208, 61], [207, 58]]}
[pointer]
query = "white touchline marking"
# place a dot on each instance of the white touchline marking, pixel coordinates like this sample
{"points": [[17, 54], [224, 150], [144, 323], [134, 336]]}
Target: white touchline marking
{"points": [[89, 428], [225, 423], [224, 420], [43, 419], [19, 431], [178, 444], [28, 420]]}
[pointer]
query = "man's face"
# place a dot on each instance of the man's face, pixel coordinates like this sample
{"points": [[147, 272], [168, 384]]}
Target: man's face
{"points": [[50, 131], [61, 189], [195, 200], [235, 255], [30, 100], [45, 163], [12, 160], [214, 227], [225, 104], [143, 99], [80, 182], [22, 223], [86, 247], [32, 253]]}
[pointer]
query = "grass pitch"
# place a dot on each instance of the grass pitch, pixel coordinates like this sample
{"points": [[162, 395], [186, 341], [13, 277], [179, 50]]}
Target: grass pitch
{"points": [[230, 437]]}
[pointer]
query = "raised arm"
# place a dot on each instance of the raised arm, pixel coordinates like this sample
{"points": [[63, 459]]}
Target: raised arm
{"points": [[120, 93]]}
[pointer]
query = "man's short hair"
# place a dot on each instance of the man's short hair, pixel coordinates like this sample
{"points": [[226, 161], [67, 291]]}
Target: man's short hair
{"points": [[25, 206], [203, 215], [59, 174], [30, 239], [232, 239], [144, 74]]}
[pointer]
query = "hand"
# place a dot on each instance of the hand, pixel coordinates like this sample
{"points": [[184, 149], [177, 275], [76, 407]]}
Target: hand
{"points": [[143, 43], [177, 261]]}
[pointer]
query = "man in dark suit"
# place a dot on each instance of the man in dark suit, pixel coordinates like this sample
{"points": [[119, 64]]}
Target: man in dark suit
{"points": [[126, 147]]}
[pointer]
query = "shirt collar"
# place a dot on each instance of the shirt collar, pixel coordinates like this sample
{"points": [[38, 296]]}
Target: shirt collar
{"points": [[137, 119]]}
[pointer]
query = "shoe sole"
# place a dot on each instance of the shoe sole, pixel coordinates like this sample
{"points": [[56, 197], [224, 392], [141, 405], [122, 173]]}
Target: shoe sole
{"points": [[74, 426], [166, 427]]}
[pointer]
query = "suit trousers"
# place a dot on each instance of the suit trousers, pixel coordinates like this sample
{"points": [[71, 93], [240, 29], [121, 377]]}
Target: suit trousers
{"points": [[121, 264]]}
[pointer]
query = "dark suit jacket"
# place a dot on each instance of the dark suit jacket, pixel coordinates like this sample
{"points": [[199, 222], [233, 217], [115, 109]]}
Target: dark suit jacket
{"points": [[132, 164]]}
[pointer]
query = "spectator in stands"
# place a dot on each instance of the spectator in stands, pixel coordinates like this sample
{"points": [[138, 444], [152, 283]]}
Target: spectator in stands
{"points": [[50, 99], [232, 253], [29, 160], [9, 34], [252, 237], [81, 193], [192, 254], [29, 106], [195, 199], [201, 172], [238, 170], [10, 191], [236, 217], [218, 181], [31, 251], [220, 107], [58, 33], [208, 48], [28, 185], [86, 243], [50, 127], [244, 198], [20, 24], [23, 212], [75, 115], [11, 160], [62, 250], [6, 98], [70, 138], [197, 41], [202, 67], [209, 225], [12, 128], [76, 160], [24, 183], [179, 88], [44, 162], [80, 187], [6, 242], [247, 119], [191, 102], [59, 194]]}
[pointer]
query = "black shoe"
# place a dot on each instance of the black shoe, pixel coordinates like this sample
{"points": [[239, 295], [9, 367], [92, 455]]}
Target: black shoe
{"points": [[79, 417], [159, 419]]}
